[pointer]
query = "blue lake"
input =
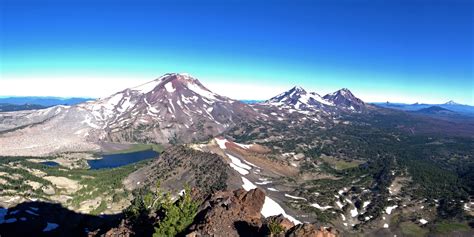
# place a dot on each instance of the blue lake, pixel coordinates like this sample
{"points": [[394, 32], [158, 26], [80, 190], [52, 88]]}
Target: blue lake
{"points": [[50, 163], [117, 160]]}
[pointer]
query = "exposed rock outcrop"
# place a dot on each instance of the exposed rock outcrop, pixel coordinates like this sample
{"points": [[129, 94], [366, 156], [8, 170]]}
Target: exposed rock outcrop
{"points": [[230, 213], [309, 230], [237, 213]]}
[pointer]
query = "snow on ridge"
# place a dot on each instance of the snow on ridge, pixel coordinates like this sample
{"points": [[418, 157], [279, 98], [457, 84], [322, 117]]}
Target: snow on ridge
{"points": [[50, 226], [169, 87], [201, 91], [316, 205], [272, 208], [241, 170], [263, 182], [221, 143], [354, 212], [295, 197], [247, 184], [88, 121], [389, 210]]}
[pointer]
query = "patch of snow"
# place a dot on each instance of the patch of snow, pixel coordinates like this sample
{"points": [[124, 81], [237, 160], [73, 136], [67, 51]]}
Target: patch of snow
{"points": [[343, 217], [125, 105], [385, 225], [295, 197], [366, 203], [181, 193], [272, 208], [251, 164], [389, 210], [14, 212], [169, 87], [201, 91], [242, 171], [320, 207], [88, 121], [50, 226], [238, 162], [273, 189], [367, 218], [247, 184], [423, 221], [221, 143], [339, 204], [263, 183], [354, 212], [32, 213]]}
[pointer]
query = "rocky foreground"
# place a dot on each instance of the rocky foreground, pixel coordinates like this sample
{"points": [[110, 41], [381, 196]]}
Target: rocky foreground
{"points": [[237, 213]]}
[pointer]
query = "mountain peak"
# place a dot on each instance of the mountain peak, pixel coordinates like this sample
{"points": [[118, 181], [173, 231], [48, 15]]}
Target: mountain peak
{"points": [[298, 89], [174, 78], [345, 98], [298, 98], [451, 102]]}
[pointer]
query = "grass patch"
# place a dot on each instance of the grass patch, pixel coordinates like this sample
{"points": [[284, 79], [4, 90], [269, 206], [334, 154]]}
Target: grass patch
{"points": [[101, 208], [446, 227], [412, 230], [340, 164]]}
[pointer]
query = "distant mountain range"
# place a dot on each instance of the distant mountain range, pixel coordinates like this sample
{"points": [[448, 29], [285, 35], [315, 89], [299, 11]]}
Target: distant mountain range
{"points": [[42, 101], [14, 107], [466, 110], [175, 108]]}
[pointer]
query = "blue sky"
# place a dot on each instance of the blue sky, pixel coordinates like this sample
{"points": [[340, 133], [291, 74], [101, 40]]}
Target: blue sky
{"points": [[405, 51]]}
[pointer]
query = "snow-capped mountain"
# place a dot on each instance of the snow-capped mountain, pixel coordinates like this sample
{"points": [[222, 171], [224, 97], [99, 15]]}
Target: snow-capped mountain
{"points": [[298, 98], [344, 99], [451, 102], [172, 108]]}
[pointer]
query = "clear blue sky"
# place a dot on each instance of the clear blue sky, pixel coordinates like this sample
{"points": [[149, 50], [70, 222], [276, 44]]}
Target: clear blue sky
{"points": [[409, 51]]}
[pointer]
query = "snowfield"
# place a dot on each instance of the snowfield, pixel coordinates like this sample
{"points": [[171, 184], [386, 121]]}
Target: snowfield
{"points": [[270, 207], [50, 226], [389, 210]]}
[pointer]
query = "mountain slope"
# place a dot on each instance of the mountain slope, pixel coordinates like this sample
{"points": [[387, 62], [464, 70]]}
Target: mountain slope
{"points": [[435, 110], [299, 98], [6, 107], [174, 108], [345, 99]]}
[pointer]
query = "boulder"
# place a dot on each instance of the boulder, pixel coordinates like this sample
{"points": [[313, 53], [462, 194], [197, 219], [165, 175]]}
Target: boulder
{"points": [[228, 213], [309, 230]]}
